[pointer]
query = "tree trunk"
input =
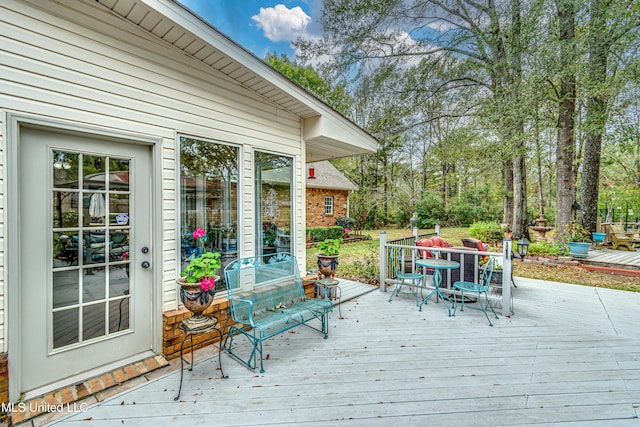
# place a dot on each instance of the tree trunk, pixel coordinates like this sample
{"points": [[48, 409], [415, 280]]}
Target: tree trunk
{"points": [[565, 183], [596, 117], [520, 214], [539, 175]]}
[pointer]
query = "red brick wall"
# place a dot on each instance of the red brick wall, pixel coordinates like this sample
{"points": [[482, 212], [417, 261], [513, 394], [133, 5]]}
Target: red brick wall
{"points": [[315, 206]]}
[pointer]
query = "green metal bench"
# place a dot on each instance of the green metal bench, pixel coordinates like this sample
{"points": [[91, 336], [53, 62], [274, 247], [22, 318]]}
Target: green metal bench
{"points": [[266, 298]]}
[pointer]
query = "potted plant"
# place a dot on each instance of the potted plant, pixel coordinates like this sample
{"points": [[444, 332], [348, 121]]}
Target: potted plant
{"points": [[328, 256], [197, 284], [579, 239]]}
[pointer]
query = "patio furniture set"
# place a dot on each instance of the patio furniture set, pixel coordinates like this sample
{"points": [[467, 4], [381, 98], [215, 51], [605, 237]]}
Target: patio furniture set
{"points": [[462, 281]]}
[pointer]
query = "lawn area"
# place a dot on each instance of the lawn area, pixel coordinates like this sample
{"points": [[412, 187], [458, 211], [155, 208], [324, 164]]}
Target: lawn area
{"points": [[360, 261]]}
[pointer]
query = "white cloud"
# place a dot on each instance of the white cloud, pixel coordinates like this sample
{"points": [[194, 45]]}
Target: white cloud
{"points": [[282, 24], [441, 26]]}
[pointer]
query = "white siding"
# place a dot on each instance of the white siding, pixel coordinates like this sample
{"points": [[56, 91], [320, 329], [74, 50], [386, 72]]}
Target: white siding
{"points": [[82, 64]]}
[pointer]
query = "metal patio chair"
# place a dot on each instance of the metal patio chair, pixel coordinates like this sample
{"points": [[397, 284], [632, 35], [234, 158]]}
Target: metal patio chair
{"points": [[413, 280], [478, 288]]}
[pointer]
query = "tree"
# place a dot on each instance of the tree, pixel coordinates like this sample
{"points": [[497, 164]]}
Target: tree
{"points": [[483, 44], [565, 184], [612, 26]]}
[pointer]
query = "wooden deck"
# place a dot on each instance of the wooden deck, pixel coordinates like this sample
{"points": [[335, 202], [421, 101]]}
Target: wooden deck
{"points": [[570, 355], [611, 258]]}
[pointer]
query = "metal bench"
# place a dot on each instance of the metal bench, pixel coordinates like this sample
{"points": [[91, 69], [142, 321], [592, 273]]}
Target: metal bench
{"points": [[267, 298]]}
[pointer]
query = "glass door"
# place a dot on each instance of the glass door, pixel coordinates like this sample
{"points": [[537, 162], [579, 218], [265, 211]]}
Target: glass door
{"points": [[86, 281]]}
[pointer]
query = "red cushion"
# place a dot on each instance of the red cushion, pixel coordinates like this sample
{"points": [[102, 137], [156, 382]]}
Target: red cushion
{"points": [[438, 241], [425, 243]]}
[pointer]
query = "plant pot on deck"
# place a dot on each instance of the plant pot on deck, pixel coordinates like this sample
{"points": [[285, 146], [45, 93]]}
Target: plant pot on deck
{"points": [[327, 265], [196, 301], [579, 249]]}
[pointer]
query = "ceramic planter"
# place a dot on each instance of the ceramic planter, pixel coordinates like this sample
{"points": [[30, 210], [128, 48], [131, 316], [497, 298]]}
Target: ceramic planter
{"points": [[579, 249], [196, 301], [327, 265]]}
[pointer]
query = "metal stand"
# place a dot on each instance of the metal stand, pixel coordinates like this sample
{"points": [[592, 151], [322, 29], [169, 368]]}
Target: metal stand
{"points": [[189, 333], [331, 291]]}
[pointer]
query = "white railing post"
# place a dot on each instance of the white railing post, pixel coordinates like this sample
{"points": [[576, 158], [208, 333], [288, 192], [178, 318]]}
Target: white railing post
{"points": [[507, 269], [383, 261], [438, 230]]}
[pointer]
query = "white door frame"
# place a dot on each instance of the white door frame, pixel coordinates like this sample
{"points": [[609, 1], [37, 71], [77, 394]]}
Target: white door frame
{"points": [[12, 331]]}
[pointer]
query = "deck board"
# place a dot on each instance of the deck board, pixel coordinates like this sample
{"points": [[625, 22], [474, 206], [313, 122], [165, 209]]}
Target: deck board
{"points": [[570, 355]]}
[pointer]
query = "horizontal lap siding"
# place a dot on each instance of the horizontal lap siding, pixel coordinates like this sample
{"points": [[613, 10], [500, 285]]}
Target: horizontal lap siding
{"points": [[93, 68]]}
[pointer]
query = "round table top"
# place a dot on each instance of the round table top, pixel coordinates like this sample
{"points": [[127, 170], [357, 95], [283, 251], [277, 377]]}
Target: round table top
{"points": [[437, 263], [329, 282]]}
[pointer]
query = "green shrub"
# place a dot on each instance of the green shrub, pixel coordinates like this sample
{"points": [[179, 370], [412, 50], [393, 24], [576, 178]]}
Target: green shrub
{"points": [[546, 248], [366, 270], [318, 234], [489, 232], [345, 222], [430, 210]]}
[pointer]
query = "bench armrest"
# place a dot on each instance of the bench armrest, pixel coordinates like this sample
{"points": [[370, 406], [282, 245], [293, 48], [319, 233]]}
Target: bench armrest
{"points": [[241, 310]]}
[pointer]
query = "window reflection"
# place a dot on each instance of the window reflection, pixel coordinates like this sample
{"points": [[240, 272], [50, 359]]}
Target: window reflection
{"points": [[90, 245], [93, 321], [209, 197], [274, 178]]}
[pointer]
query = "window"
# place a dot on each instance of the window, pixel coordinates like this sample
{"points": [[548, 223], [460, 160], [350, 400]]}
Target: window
{"points": [[328, 205], [274, 189], [209, 197]]}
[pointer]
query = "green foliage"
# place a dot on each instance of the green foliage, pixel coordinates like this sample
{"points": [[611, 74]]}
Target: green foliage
{"points": [[318, 234], [335, 95], [545, 248], [206, 265], [490, 232], [577, 233], [329, 246], [366, 269], [430, 210], [345, 222]]}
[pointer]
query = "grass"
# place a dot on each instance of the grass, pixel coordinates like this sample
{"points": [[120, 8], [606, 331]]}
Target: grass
{"points": [[360, 261]]}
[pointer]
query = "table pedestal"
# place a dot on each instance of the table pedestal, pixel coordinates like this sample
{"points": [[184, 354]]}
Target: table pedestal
{"points": [[330, 290]]}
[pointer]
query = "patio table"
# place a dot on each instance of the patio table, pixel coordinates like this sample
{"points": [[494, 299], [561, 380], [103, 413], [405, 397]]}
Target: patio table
{"points": [[438, 264]]}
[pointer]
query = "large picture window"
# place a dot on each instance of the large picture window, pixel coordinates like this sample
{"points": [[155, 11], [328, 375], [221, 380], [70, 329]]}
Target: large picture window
{"points": [[208, 198], [274, 178]]}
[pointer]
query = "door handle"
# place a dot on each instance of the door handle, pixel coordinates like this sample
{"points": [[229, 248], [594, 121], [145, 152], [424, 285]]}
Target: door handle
{"points": [[145, 264]]}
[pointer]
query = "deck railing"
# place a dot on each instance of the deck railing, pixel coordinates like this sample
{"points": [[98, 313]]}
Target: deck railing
{"points": [[501, 294]]}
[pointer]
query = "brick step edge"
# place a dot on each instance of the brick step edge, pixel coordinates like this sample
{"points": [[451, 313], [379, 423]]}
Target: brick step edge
{"points": [[612, 270], [66, 396]]}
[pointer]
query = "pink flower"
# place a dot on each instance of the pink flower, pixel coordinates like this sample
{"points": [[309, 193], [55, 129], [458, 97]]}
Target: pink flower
{"points": [[198, 233], [207, 284], [346, 230]]}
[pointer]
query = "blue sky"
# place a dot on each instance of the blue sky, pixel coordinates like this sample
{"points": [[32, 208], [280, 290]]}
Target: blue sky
{"points": [[261, 26]]}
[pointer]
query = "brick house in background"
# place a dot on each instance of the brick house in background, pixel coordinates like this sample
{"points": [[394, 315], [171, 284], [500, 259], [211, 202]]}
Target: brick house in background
{"points": [[327, 194]]}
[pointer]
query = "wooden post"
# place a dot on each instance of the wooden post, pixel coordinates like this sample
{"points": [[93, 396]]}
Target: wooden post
{"points": [[438, 230], [507, 269], [383, 261]]}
